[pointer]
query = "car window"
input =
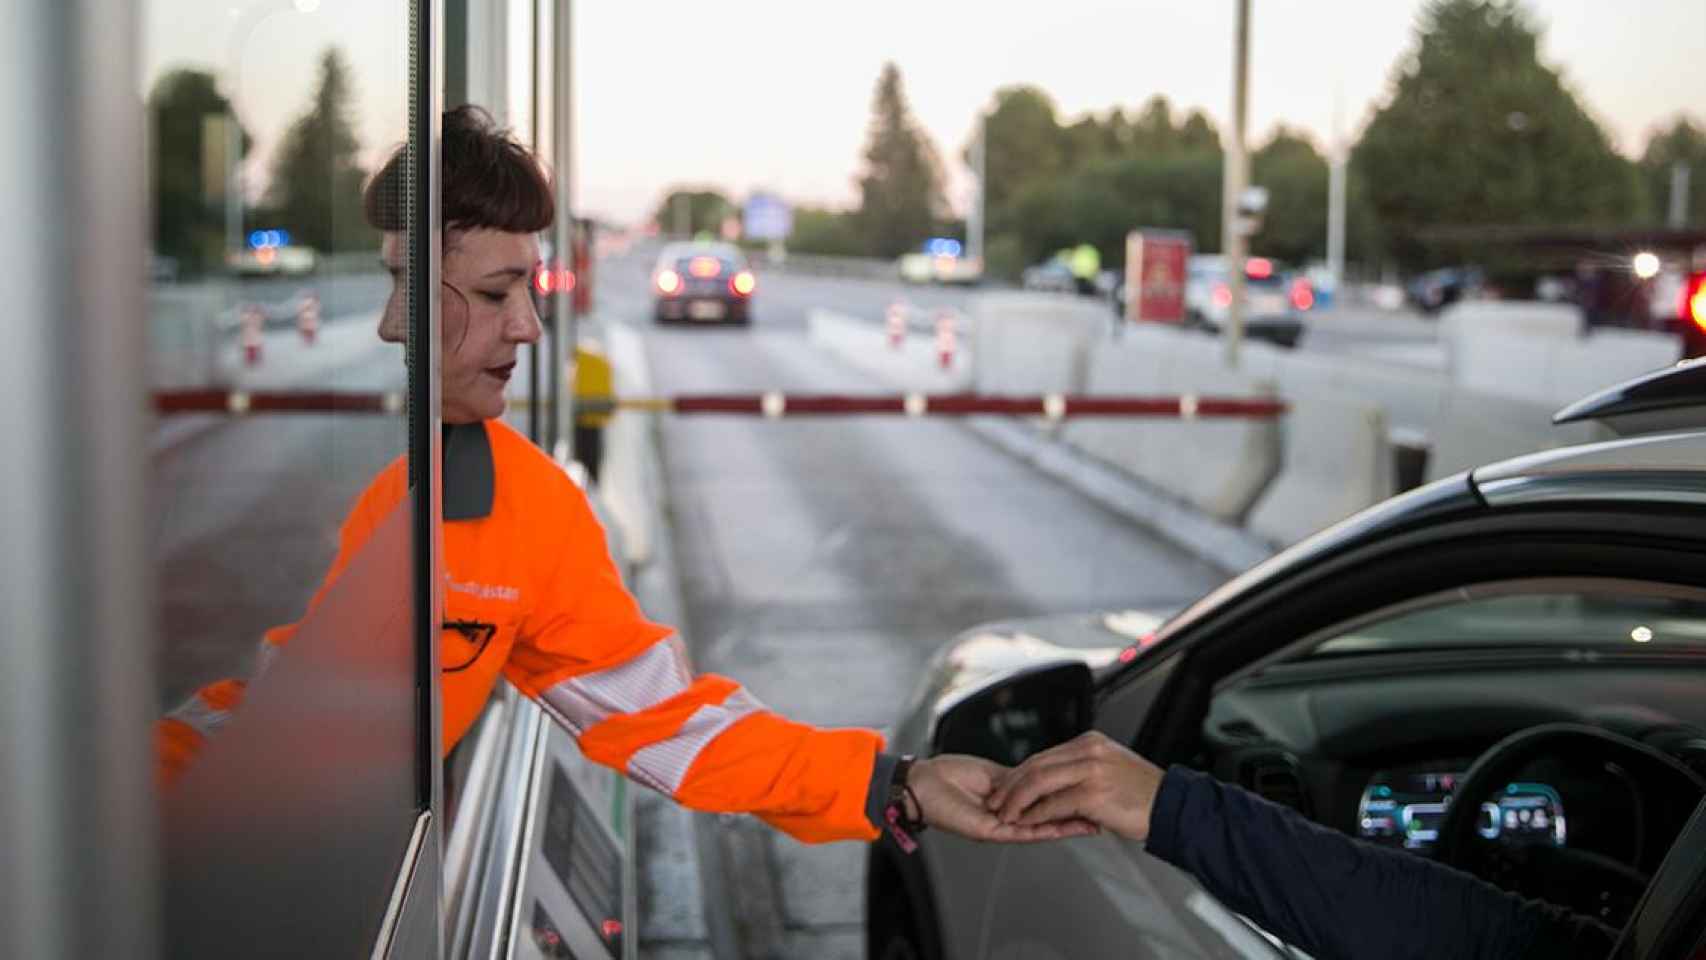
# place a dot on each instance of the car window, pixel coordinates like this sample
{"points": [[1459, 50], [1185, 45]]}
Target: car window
{"points": [[1604, 615]]}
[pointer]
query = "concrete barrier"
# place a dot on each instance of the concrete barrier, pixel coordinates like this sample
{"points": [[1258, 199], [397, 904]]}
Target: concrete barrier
{"points": [[915, 366], [1337, 462], [1480, 428], [1033, 343], [1555, 371], [1217, 466], [1528, 318], [184, 338]]}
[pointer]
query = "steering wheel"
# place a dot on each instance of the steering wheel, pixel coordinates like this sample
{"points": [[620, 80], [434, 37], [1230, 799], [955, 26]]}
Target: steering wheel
{"points": [[1588, 883]]}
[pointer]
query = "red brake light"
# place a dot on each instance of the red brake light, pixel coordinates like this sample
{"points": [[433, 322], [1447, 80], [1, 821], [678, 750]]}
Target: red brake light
{"points": [[542, 281], [1222, 295], [704, 267], [1258, 268], [669, 282], [1302, 296], [1694, 300], [744, 283]]}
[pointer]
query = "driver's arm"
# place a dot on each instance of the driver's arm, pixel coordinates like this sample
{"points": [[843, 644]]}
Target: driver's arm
{"points": [[1313, 887], [1334, 896]]}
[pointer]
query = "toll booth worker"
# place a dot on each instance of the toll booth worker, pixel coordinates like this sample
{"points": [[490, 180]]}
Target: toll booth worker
{"points": [[1085, 261], [1311, 886], [531, 593]]}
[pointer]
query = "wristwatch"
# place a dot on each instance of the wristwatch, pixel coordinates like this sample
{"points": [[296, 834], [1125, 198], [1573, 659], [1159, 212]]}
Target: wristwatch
{"points": [[902, 826]]}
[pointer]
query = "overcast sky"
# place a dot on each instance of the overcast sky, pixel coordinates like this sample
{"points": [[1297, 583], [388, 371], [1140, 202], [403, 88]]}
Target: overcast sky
{"points": [[776, 93]]}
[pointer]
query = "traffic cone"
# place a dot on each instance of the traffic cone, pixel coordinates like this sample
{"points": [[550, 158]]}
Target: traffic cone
{"points": [[251, 318], [308, 316], [947, 338], [896, 322]]}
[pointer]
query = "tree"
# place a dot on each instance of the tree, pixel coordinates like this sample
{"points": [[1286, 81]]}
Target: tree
{"points": [[1295, 173], [316, 179], [1478, 131], [900, 189], [688, 211], [1024, 148], [185, 109], [831, 233], [1683, 143]]}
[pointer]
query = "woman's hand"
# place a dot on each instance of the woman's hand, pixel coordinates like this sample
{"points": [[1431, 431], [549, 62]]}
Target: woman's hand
{"points": [[954, 792]]}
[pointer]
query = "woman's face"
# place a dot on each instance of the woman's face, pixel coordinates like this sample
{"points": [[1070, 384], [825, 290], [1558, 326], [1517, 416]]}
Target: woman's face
{"points": [[486, 313]]}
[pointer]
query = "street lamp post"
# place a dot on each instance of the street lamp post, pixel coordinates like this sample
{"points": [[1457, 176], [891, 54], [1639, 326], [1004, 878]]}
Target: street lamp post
{"points": [[1237, 179]]}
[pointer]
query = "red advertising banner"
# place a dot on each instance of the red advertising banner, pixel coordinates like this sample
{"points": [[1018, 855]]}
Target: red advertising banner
{"points": [[1155, 262]]}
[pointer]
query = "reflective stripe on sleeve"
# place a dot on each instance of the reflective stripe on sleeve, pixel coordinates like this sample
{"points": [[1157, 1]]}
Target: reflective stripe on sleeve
{"points": [[200, 716], [629, 687], [662, 766]]}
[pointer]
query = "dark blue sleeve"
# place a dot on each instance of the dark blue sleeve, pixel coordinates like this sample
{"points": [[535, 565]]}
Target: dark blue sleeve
{"points": [[1334, 896]]}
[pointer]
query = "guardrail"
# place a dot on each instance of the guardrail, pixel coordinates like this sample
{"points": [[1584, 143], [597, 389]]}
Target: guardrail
{"points": [[814, 265]]}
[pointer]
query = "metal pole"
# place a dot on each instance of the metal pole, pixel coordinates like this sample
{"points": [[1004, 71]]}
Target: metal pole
{"points": [[78, 697], [974, 219], [1336, 204], [1336, 223], [1678, 195], [563, 338], [1237, 178]]}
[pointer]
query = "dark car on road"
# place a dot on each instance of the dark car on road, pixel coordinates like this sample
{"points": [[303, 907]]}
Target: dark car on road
{"points": [[703, 283], [1504, 671]]}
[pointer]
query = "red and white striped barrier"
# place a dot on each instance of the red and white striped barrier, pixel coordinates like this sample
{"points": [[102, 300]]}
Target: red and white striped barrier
{"points": [[771, 405]]}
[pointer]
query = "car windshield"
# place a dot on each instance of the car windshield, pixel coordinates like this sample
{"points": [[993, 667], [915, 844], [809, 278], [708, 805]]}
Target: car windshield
{"points": [[1607, 616]]}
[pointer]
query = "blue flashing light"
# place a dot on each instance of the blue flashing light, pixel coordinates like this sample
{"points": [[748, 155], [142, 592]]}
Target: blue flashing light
{"points": [[261, 239], [942, 247]]}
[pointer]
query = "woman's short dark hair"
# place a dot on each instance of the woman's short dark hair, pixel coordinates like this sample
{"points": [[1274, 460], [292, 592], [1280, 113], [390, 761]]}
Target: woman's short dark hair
{"points": [[490, 180]]}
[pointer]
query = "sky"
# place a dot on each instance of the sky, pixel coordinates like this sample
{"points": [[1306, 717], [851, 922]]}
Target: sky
{"points": [[775, 95]]}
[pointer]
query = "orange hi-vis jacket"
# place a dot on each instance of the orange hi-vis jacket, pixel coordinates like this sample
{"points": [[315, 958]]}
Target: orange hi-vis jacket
{"points": [[531, 593]]}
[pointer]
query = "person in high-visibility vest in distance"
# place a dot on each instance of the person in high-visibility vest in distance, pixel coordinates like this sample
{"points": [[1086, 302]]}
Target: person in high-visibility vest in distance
{"points": [[531, 592]]}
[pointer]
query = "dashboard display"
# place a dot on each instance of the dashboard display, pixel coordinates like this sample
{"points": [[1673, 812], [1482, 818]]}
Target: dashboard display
{"points": [[1405, 810]]}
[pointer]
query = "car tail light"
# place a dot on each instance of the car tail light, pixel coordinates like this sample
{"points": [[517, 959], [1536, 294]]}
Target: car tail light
{"points": [[1258, 268], [553, 279], [1302, 295], [669, 282], [1222, 295], [704, 267], [743, 283], [543, 282], [1694, 301]]}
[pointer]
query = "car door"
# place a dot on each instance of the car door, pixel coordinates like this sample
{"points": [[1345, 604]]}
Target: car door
{"points": [[1101, 897]]}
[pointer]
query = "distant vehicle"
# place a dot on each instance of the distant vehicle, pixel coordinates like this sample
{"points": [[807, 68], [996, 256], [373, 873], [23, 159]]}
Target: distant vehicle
{"points": [[273, 262], [1477, 672], [703, 283], [1051, 276], [1274, 300], [942, 260], [1437, 289]]}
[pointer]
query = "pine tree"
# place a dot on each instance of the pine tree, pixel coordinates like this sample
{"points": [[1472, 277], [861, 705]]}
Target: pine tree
{"points": [[901, 187], [316, 179]]}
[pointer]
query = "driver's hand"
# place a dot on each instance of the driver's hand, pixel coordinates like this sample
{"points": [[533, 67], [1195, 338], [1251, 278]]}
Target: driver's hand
{"points": [[1090, 778], [953, 793]]}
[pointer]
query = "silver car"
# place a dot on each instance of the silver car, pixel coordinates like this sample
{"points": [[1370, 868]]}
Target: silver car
{"points": [[1504, 671]]}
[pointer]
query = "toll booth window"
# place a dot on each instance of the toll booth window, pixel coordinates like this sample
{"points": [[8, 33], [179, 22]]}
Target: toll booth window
{"points": [[281, 538]]}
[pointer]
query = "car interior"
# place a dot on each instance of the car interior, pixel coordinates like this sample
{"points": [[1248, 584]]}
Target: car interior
{"points": [[1546, 735]]}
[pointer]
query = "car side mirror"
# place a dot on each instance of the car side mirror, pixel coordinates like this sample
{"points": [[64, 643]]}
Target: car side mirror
{"points": [[1019, 714]]}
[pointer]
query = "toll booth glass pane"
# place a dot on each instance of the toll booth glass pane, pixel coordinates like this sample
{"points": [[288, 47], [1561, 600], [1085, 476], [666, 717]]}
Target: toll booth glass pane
{"points": [[281, 530]]}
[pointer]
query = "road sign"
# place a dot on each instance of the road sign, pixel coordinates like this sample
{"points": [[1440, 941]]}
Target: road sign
{"points": [[767, 217], [1155, 263]]}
